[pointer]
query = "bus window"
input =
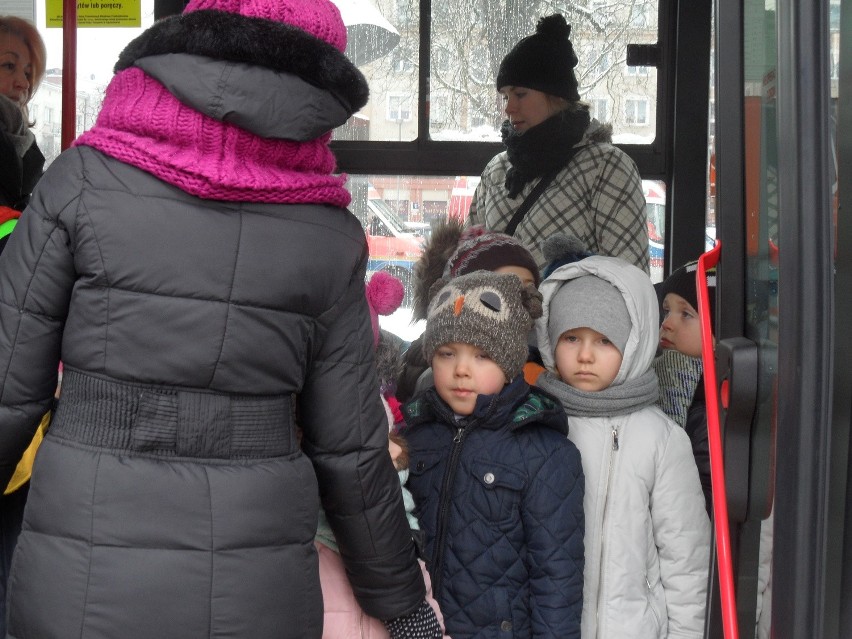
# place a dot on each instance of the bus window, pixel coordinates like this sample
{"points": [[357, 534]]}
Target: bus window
{"points": [[655, 210], [468, 42]]}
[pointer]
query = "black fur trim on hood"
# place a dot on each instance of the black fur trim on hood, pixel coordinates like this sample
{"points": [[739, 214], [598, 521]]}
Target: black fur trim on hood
{"points": [[275, 45], [389, 362], [430, 267]]}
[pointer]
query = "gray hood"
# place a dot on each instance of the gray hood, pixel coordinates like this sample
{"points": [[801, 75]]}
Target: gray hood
{"points": [[639, 296], [269, 103]]}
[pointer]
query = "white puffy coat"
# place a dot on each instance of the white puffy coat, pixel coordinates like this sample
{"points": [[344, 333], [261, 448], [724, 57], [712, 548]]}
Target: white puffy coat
{"points": [[647, 532]]}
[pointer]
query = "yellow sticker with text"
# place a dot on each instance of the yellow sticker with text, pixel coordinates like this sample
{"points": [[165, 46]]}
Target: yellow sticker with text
{"points": [[98, 13]]}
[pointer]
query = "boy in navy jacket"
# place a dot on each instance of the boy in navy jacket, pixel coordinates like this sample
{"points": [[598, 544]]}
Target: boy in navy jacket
{"points": [[498, 488]]}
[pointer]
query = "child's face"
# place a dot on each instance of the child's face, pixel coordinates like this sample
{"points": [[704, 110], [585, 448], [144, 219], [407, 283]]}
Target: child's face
{"points": [[525, 275], [395, 451], [681, 329], [463, 371], [586, 359]]}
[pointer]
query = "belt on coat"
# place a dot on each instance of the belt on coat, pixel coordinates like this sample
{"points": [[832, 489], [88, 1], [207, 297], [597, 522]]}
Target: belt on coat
{"points": [[168, 421]]}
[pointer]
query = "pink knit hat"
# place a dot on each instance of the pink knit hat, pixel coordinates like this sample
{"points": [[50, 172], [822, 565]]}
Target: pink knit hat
{"points": [[144, 124], [320, 18], [384, 295]]}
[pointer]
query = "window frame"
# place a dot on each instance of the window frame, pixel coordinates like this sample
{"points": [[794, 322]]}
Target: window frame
{"points": [[424, 156]]}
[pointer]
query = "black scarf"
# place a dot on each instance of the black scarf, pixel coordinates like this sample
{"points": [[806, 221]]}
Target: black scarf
{"points": [[542, 148]]}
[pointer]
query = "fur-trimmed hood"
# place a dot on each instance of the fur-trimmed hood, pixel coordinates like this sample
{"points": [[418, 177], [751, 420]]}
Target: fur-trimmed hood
{"points": [[389, 359], [254, 41], [598, 133]]}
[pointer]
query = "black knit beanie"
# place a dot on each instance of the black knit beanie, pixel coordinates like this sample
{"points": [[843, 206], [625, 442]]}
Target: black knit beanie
{"points": [[682, 282], [544, 61]]}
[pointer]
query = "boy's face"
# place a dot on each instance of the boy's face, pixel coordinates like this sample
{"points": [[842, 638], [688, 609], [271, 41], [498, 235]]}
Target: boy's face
{"points": [[681, 329], [463, 371], [586, 359], [525, 275]]}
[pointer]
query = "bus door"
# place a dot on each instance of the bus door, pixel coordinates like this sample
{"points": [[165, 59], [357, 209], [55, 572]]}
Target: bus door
{"points": [[775, 320]]}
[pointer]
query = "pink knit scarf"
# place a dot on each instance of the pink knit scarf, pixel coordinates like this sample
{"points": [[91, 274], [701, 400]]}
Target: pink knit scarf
{"points": [[144, 125]]}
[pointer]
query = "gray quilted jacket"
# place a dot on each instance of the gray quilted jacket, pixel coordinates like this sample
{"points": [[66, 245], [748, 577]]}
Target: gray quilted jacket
{"points": [[172, 496]]}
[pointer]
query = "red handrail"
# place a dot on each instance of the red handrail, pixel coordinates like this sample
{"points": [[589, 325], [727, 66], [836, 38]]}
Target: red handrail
{"points": [[717, 468], [69, 73]]}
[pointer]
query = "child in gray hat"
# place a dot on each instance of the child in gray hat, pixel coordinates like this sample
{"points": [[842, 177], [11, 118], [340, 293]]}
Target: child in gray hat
{"points": [[497, 486], [647, 534]]}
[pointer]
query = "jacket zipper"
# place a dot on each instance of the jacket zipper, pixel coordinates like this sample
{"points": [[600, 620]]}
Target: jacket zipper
{"points": [[613, 449], [651, 603], [444, 506]]}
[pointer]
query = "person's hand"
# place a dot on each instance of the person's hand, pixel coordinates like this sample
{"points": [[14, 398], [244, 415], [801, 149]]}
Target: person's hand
{"points": [[420, 624]]}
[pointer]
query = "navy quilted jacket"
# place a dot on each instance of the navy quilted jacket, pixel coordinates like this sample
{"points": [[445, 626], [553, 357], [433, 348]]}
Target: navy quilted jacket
{"points": [[499, 496]]}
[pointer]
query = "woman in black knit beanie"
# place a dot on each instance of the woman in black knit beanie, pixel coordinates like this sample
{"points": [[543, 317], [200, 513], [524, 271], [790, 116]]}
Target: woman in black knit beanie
{"points": [[591, 189]]}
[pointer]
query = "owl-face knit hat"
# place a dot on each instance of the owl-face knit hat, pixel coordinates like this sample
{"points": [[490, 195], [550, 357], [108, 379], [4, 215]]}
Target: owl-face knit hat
{"points": [[482, 250], [683, 282], [544, 61], [592, 302], [492, 311], [213, 145]]}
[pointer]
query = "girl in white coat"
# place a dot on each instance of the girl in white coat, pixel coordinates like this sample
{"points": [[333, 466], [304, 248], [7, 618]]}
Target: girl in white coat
{"points": [[647, 533]]}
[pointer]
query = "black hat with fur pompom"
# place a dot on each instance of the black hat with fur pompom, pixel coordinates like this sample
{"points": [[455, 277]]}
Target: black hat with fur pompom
{"points": [[561, 249], [544, 61]]}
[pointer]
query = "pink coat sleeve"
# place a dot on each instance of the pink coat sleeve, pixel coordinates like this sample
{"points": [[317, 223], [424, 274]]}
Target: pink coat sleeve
{"points": [[344, 618]]}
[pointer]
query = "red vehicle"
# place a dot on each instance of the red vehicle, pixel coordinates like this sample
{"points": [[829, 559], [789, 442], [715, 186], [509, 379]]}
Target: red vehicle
{"points": [[461, 197], [394, 246]]}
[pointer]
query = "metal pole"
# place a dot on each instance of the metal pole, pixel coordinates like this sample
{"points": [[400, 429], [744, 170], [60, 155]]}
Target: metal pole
{"points": [[69, 72]]}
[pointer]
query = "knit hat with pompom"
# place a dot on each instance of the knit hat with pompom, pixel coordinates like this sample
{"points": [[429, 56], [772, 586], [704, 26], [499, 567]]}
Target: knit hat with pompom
{"points": [[320, 18], [439, 248], [384, 295], [560, 249], [482, 250], [544, 61]]}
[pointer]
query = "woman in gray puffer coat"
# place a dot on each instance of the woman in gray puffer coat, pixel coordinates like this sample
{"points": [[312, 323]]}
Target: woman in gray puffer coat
{"points": [[191, 262]]}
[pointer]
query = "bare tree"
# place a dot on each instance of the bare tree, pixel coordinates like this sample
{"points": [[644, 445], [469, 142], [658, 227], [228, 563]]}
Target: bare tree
{"points": [[471, 37]]}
